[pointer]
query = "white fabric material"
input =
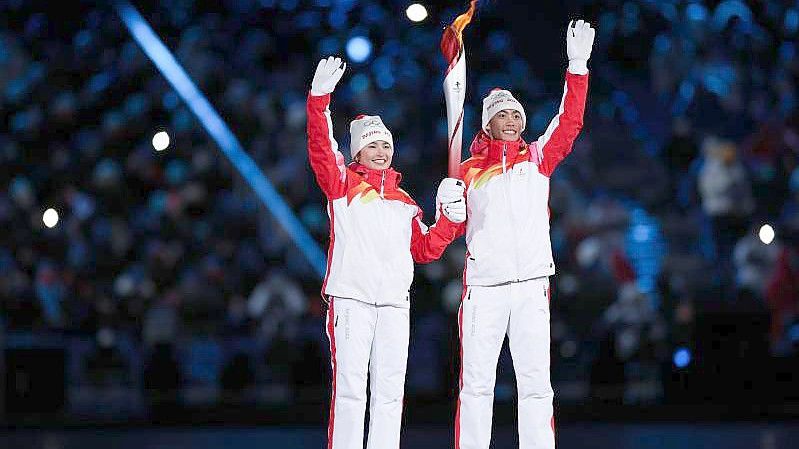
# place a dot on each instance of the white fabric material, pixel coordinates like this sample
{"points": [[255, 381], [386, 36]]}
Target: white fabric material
{"points": [[365, 130], [520, 311], [342, 169], [450, 189], [543, 139], [371, 263], [499, 100], [367, 340], [579, 42], [328, 73], [508, 232], [454, 211], [451, 200], [578, 67]]}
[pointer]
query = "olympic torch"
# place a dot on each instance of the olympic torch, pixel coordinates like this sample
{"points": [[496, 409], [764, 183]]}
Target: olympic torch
{"points": [[455, 86]]}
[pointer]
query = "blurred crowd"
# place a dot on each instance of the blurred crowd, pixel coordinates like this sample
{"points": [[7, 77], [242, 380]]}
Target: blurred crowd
{"points": [[690, 147]]}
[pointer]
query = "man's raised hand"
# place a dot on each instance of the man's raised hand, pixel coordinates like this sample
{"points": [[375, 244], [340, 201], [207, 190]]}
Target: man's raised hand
{"points": [[579, 41]]}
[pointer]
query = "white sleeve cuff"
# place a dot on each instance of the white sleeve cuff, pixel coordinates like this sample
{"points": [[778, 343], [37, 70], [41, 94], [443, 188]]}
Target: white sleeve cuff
{"points": [[578, 66]]}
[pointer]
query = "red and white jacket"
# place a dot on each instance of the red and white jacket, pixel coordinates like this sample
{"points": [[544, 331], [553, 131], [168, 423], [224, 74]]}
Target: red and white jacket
{"points": [[507, 196], [376, 229]]}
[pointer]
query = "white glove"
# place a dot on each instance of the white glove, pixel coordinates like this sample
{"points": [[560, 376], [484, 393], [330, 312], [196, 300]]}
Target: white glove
{"points": [[455, 211], [451, 200], [579, 40], [328, 73]]}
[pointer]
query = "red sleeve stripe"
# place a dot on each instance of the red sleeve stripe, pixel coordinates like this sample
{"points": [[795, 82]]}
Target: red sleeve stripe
{"points": [[326, 161], [553, 125], [556, 143], [339, 158]]}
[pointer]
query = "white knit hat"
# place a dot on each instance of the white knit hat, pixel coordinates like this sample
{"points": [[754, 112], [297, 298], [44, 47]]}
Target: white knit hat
{"points": [[499, 100], [366, 129]]}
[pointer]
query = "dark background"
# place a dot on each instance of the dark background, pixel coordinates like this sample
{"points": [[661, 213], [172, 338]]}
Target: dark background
{"points": [[168, 295]]}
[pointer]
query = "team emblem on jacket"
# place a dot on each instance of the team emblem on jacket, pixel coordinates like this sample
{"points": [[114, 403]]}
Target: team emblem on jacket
{"points": [[369, 193], [476, 177]]}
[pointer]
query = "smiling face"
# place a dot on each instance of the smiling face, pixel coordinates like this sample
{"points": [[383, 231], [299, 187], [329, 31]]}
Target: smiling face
{"points": [[506, 125], [376, 156]]}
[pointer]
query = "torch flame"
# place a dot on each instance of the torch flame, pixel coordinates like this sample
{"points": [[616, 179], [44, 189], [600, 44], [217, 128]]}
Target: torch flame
{"points": [[464, 19], [452, 40]]}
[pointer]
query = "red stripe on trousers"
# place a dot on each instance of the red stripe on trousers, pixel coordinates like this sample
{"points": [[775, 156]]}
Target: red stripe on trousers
{"points": [[460, 344], [460, 381], [331, 335], [549, 299]]}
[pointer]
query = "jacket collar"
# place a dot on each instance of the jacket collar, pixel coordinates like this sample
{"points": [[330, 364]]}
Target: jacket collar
{"points": [[484, 145], [375, 177]]}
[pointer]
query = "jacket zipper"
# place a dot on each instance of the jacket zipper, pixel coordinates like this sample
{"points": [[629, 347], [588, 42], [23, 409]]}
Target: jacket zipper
{"points": [[508, 182], [383, 213]]}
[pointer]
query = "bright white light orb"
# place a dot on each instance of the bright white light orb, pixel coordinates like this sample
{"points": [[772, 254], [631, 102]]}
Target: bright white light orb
{"points": [[766, 234], [416, 12], [160, 141], [50, 217]]}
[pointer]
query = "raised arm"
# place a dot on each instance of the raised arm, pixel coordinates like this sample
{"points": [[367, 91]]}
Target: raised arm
{"points": [[326, 160], [428, 244], [556, 143]]}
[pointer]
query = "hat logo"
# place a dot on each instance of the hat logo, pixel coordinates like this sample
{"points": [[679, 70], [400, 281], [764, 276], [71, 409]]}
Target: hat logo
{"points": [[373, 122], [372, 133], [501, 101]]}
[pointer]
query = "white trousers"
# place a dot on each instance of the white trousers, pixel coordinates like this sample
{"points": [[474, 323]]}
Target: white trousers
{"points": [[366, 340], [520, 311]]}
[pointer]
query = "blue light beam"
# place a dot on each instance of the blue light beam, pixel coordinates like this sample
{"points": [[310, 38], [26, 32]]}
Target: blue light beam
{"points": [[166, 63]]}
